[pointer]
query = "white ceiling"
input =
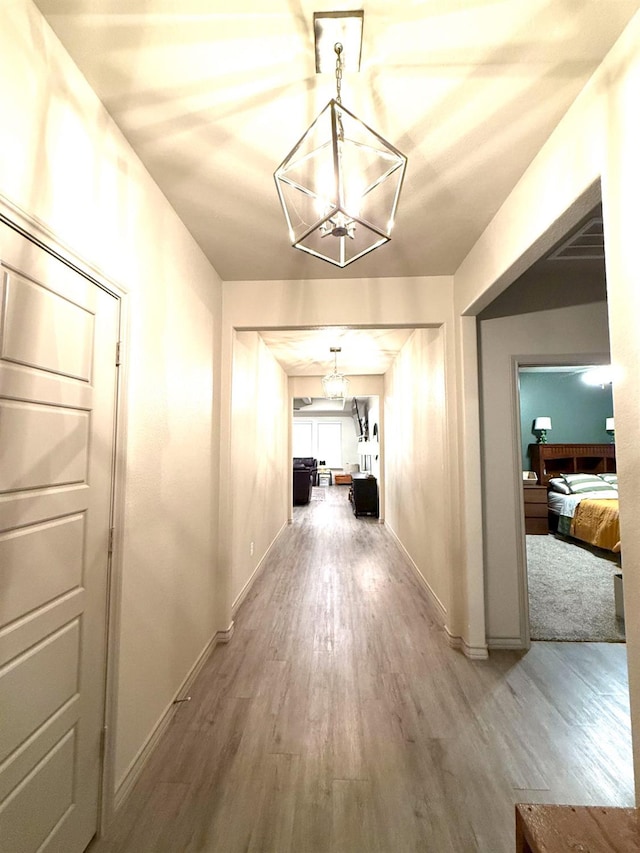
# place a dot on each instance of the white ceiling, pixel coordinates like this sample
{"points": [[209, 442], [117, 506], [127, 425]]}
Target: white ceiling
{"points": [[307, 352], [212, 95]]}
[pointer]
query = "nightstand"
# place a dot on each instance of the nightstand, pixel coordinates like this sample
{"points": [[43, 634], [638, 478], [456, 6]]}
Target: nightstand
{"points": [[535, 509]]}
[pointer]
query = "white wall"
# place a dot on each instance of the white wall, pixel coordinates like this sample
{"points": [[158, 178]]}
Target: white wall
{"points": [[620, 194], [64, 162], [555, 336], [259, 452], [349, 440], [416, 471], [534, 216], [373, 416], [371, 303], [597, 140], [359, 386]]}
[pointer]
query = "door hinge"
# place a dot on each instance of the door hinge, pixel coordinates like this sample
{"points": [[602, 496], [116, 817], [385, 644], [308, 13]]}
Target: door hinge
{"points": [[111, 535], [118, 353]]}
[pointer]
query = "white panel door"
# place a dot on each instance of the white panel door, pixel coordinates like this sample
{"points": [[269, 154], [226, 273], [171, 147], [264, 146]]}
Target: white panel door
{"points": [[58, 335]]}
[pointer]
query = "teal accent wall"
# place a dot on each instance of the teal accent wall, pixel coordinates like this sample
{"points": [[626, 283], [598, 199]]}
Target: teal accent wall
{"points": [[577, 410]]}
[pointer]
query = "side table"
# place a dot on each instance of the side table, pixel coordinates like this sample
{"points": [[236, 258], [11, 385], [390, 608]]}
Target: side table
{"points": [[325, 477], [536, 520]]}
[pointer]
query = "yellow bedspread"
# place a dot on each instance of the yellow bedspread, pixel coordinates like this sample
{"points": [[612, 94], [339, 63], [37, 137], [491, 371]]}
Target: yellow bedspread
{"points": [[598, 523]]}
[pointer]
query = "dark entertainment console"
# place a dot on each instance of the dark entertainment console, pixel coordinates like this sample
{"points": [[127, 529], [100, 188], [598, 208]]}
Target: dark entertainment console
{"points": [[364, 495]]}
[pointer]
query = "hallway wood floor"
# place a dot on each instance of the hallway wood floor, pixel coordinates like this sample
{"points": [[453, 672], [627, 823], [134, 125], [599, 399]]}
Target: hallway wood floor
{"points": [[339, 720]]}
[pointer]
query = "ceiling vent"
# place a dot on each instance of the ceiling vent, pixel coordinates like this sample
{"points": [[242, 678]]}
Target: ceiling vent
{"points": [[587, 243]]}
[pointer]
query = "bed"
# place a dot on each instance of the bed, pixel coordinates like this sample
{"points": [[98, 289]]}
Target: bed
{"points": [[582, 495], [589, 514]]}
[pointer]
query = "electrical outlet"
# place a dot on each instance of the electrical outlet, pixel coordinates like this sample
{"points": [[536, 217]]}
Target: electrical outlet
{"points": [[251, 549]]}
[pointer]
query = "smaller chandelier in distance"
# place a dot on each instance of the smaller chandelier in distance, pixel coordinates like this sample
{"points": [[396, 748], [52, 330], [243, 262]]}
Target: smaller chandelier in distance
{"points": [[335, 385], [340, 184]]}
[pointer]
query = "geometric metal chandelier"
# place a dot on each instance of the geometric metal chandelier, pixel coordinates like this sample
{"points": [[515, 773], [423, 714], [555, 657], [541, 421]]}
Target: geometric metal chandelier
{"points": [[335, 385], [339, 186]]}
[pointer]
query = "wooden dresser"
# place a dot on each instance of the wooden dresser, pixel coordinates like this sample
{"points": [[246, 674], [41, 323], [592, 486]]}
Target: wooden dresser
{"points": [[535, 509]]}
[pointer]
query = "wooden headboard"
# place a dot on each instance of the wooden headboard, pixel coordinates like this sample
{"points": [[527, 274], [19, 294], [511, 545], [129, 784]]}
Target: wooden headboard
{"points": [[548, 460]]}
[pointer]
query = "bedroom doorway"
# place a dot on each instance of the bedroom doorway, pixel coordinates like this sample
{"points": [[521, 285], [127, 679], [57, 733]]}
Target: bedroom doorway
{"points": [[566, 427]]}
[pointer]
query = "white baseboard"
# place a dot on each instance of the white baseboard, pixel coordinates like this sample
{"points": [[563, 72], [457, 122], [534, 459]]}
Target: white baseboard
{"points": [[144, 753], [506, 643], [471, 652], [245, 589], [135, 768], [225, 636], [442, 610]]}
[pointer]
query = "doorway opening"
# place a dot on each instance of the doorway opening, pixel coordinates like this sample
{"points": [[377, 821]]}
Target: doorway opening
{"points": [[571, 526], [554, 314], [341, 434], [344, 434], [339, 438]]}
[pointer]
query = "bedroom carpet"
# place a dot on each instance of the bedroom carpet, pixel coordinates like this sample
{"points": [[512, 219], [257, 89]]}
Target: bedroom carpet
{"points": [[571, 592], [318, 493]]}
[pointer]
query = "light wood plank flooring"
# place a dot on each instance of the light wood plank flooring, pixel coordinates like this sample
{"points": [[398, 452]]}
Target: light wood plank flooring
{"points": [[338, 719]]}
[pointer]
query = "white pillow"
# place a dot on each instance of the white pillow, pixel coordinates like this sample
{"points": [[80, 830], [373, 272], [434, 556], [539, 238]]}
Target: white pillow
{"points": [[612, 479], [579, 483], [557, 484]]}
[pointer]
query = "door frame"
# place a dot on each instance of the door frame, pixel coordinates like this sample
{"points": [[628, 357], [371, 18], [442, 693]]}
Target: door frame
{"points": [[37, 233], [517, 362]]}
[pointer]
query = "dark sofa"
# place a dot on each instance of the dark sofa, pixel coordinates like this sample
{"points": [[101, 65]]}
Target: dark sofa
{"points": [[310, 464], [301, 485], [305, 475]]}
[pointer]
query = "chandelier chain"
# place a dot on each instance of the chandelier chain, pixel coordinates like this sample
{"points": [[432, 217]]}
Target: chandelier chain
{"points": [[338, 49]]}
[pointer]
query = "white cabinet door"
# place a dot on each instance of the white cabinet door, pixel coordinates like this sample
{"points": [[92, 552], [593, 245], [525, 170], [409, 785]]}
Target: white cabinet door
{"points": [[58, 335]]}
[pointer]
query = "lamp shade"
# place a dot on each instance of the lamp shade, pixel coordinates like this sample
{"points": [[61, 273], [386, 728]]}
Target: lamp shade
{"points": [[610, 425], [542, 423]]}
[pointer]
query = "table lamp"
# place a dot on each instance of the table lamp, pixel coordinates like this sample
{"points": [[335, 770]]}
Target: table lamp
{"points": [[540, 426]]}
